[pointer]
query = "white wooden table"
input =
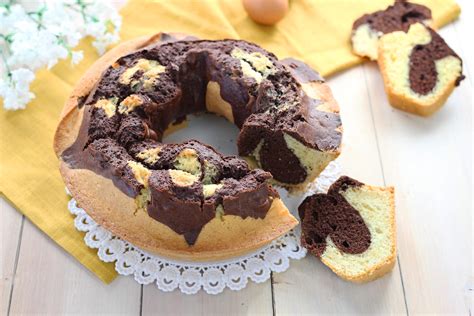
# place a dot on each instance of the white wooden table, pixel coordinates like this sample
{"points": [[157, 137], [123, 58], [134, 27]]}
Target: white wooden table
{"points": [[428, 160]]}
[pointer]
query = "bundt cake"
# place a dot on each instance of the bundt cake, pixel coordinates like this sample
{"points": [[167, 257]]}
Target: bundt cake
{"points": [[419, 69], [187, 200], [351, 229], [367, 29]]}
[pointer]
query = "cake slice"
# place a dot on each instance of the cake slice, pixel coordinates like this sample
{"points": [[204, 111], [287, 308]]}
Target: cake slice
{"points": [[351, 229], [296, 140], [367, 29], [419, 69]]}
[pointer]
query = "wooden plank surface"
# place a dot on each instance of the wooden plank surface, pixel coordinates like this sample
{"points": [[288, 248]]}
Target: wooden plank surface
{"points": [[463, 26], [256, 299], [428, 160], [49, 281], [10, 230]]}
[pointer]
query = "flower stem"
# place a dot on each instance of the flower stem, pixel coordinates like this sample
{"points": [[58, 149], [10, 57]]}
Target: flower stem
{"points": [[7, 5], [8, 40], [4, 59], [82, 10], [39, 14]]}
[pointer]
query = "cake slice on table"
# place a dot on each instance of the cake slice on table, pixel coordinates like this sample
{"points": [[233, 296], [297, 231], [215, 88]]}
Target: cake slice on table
{"points": [[419, 69], [367, 29], [351, 229]]}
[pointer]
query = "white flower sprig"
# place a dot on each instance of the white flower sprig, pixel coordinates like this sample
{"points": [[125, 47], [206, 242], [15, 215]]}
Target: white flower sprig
{"points": [[36, 34]]}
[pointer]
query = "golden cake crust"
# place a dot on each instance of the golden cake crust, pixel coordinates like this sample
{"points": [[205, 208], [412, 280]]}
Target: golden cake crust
{"points": [[221, 238]]}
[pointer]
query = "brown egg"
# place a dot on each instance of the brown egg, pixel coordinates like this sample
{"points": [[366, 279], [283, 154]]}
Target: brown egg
{"points": [[267, 12]]}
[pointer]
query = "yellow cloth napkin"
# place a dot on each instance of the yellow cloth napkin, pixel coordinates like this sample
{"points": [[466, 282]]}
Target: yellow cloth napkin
{"points": [[316, 31]]}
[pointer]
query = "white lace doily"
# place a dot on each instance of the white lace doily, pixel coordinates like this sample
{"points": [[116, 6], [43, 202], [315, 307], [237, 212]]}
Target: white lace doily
{"points": [[190, 277]]}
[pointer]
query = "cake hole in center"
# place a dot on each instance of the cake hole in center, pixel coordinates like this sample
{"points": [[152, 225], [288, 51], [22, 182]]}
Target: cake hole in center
{"points": [[209, 129]]}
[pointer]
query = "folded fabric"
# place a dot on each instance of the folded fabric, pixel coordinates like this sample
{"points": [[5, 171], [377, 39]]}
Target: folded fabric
{"points": [[316, 31]]}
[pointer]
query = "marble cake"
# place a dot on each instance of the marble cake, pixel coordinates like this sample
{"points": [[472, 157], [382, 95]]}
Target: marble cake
{"points": [[187, 200]]}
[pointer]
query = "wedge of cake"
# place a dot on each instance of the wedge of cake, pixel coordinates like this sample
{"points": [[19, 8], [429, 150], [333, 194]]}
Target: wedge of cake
{"points": [[351, 229], [419, 69]]}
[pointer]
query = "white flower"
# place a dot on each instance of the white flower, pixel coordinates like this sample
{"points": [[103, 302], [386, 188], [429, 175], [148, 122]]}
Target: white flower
{"points": [[37, 34], [15, 90], [76, 57]]}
